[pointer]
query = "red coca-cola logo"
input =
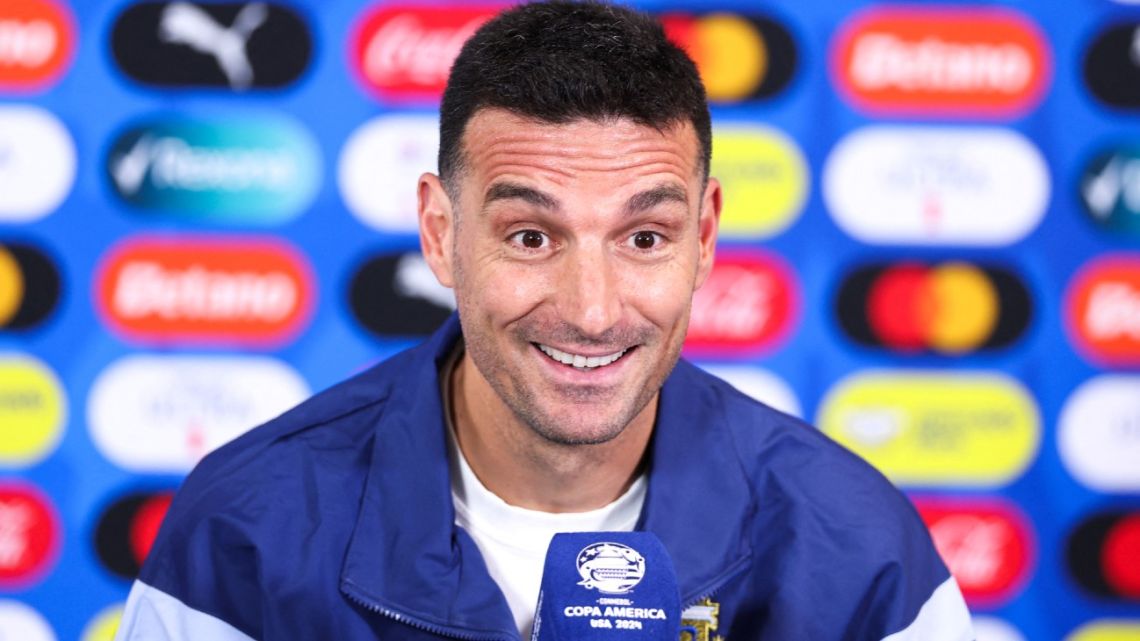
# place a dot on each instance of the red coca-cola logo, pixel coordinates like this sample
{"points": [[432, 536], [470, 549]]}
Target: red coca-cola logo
{"points": [[986, 544], [405, 52], [29, 535], [747, 305]]}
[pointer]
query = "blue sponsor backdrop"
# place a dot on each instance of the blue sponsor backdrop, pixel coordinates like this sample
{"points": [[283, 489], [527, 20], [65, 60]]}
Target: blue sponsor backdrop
{"points": [[227, 180]]}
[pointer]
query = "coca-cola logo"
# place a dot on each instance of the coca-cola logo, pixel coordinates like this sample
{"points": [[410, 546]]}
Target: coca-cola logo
{"points": [[249, 292], [403, 52], [29, 535], [748, 304], [36, 42], [1103, 311], [986, 545], [945, 61]]}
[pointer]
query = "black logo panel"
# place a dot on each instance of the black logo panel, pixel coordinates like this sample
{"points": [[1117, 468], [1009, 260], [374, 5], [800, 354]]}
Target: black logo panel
{"points": [[397, 295], [1112, 66]]}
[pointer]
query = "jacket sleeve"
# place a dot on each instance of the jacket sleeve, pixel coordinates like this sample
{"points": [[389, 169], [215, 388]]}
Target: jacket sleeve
{"points": [[943, 617], [154, 615]]}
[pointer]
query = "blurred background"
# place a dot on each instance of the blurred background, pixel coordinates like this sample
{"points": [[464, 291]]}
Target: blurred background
{"points": [[930, 250]]}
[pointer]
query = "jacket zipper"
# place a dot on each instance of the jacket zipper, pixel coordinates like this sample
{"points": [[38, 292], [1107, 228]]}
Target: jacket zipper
{"points": [[422, 625]]}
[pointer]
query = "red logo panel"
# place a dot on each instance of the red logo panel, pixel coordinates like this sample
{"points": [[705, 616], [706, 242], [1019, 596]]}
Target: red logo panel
{"points": [[29, 535], [256, 292], [1103, 312], [748, 304], [986, 544], [405, 52], [36, 41], [944, 61]]}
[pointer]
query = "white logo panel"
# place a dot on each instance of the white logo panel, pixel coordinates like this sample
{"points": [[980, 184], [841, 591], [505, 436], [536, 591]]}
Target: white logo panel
{"points": [[936, 185], [1099, 433], [760, 384], [18, 621], [993, 629], [37, 163], [162, 414]]}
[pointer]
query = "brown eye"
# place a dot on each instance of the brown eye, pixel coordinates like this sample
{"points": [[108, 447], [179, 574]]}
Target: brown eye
{"points": [[531, 239], [644, 240]]}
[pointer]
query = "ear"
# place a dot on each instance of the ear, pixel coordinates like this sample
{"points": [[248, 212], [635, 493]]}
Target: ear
{"points": [[707, 225], [436, 228]]}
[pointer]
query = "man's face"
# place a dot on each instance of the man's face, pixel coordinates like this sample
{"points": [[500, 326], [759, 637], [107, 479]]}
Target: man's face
{"points": [[574, 252]]}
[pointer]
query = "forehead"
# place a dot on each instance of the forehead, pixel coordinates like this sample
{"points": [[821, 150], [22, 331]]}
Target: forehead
{"points": [[498, 143]]}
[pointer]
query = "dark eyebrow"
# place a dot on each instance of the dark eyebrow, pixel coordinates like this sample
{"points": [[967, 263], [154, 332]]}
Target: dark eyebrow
{"points": [[650, 198], [511, 191]]}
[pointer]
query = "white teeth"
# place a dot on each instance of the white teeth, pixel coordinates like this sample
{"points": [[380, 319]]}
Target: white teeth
{"points": [[579, 361]]}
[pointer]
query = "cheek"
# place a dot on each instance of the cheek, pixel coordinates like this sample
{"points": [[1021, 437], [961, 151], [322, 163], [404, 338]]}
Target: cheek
{"points": [[663, 296]]}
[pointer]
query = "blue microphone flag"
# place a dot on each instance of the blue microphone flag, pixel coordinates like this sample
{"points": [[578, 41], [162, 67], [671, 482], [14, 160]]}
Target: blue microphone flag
{"points": [[607, 586]]}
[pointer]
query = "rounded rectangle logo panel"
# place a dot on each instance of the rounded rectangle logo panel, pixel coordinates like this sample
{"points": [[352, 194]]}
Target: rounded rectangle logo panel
{"points": [[227, 45], [245, 171], [1102, 310], [404, 52], [29, 286], [932, 428], [1098, 434], [30, 535], [749, 304], [1101, 553], [33, 410], [1112, 65], [765, 178], [921, 185], [760, 384], [37, 39], [951, 308], [1107, 630], [126, 529], [941, 60], [379, 169], [397, 295], [254, 292], [161, 414], [21, 621], [1110, 190], [37, 163]]}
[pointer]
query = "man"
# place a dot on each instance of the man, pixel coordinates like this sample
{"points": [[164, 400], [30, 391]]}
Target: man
{"points": [[574, 217]]}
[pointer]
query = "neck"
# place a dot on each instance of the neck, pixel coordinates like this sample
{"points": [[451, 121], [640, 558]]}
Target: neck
{"points": [[527, 470]]}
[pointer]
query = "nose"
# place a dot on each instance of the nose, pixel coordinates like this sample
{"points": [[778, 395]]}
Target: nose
{"points": [[589, 291]]}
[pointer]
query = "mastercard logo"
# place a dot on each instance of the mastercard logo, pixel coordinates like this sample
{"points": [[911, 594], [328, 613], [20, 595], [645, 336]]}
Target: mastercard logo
{"points": [[986, 543], [740, 58], [1103, 310], [765, 179], [29, 286], [1098, 435], [748, 304], [33, 410], [30, 535], [36, 43], [933, 428], [1108, 630], [404, 52], [941, 61], [127, 528], [949, 308], [1101, 553], [256, 292]]}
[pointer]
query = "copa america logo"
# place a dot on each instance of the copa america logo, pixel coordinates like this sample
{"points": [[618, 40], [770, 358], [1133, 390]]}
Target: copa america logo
{"points": [[611, 568]]}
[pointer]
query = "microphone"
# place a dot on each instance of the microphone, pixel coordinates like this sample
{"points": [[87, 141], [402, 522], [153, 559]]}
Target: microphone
{"points": [[607, 586]]}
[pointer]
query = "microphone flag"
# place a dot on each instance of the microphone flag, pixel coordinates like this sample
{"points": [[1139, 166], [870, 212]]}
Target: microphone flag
{"points": [[607, 586]]}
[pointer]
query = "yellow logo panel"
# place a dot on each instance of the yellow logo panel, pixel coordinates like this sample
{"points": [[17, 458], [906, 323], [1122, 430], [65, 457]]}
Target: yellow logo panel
{"points": [[935, 429], [765, 180], [104, 625], [1107, 631], [32, 410]]}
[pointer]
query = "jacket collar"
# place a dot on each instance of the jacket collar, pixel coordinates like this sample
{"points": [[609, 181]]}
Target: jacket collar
{"points": [[406, 556]]}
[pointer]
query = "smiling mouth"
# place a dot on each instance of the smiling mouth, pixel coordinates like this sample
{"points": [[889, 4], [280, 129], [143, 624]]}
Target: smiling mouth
{"points": [[579, 362]]}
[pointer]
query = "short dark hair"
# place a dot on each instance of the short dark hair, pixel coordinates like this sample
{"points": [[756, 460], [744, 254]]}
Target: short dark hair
{"points": [[561, 61]]}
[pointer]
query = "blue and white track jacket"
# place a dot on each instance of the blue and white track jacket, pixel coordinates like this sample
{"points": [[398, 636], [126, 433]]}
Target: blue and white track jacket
{"points": [[334, 522]]}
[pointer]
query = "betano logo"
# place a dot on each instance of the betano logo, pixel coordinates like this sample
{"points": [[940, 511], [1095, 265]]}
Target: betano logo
{"points": [[934, 428], [29, 286], [37, 38], [404, 52], [748, 305], [127, 528], [380, 166], [33, 410], [936, 185], [1110, 189], [1099, 433], [19, 621], [37, 163], [1107, 630], [986, 543], [1103, 310], [1101, 553], [739, 57], [941, 61], [259, 171], [162, 414], [30, 535], [765, 180], [256, 292], [1112, 65], [950, 308]]}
